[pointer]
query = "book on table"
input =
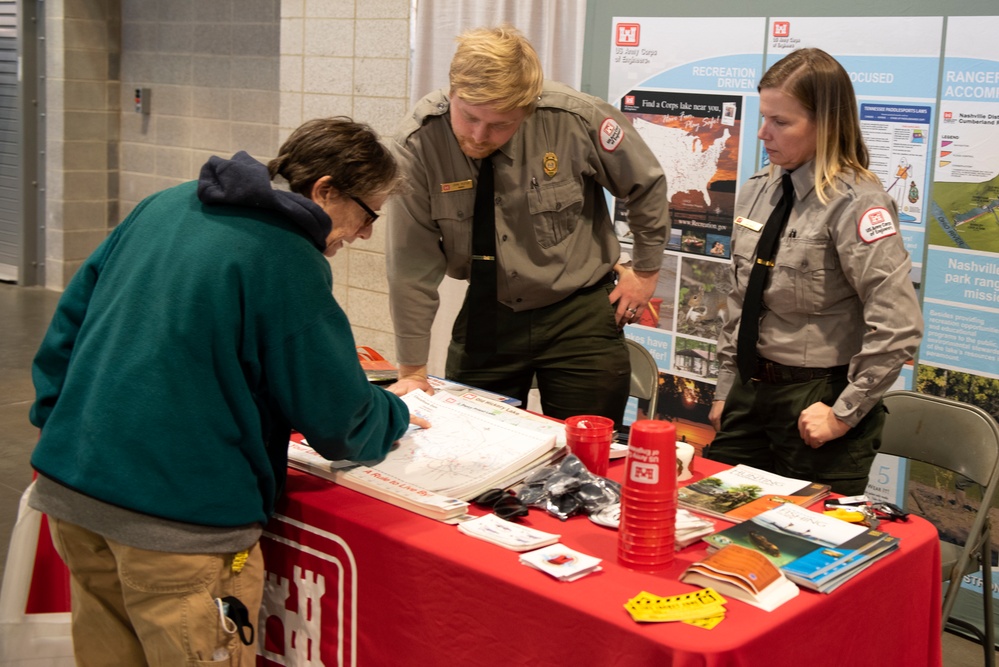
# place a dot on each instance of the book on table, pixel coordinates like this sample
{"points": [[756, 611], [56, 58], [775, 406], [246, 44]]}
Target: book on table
{"points": [[743, 574], [742, 492], [814, 550], [462, 390], [434, 471]]}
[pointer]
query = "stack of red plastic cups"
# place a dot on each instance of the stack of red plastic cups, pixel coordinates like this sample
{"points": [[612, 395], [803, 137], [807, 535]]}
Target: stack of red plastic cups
{"points": [[647, 531]]}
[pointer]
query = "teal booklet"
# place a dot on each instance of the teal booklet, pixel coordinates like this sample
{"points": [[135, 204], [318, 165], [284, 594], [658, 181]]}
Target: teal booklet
{"points": [[815, 551]]}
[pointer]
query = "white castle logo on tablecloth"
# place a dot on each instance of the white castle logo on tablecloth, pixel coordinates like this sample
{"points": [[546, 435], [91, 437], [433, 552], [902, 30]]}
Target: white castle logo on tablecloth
{"points": [[302, 629]]}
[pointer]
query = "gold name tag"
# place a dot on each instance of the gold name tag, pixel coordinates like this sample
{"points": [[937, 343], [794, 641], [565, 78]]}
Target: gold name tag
{"points": [[457, 185], [751, 224]]}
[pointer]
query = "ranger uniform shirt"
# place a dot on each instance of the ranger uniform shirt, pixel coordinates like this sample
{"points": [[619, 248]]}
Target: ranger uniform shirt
{"points": [[840, 291], [554, 234]]}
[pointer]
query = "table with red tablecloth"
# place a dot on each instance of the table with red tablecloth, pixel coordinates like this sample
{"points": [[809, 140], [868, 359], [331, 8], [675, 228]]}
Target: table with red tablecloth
{"points": [[355, 581]]}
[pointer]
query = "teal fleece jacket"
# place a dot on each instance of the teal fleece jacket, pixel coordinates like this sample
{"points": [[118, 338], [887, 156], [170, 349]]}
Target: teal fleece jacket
{"points": [[191, 342]]}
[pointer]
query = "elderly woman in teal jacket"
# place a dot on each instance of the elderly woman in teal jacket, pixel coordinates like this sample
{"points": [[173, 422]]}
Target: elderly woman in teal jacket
{"points": [[182, 354]]}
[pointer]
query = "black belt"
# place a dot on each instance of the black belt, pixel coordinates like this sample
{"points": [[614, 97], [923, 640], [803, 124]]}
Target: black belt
{"points": [[608, 279], [770, 372]]}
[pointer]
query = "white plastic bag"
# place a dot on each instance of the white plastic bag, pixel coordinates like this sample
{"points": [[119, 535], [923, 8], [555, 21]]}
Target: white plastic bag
{"points": [[29, 640]]}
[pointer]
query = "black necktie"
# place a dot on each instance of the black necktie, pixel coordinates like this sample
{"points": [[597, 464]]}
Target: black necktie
{"points": [[752, 304], [480, 332]]}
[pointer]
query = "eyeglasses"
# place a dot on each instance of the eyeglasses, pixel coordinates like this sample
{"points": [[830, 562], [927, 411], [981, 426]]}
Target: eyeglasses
{"points": [[504, 504], [367, 209]]}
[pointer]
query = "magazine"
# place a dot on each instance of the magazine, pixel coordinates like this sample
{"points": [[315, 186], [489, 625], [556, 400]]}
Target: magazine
{"points": [[743, 574], [742, 492], [813, 550]]}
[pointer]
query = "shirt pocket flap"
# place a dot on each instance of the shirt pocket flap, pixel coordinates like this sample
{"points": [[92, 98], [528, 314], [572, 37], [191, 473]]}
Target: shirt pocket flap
{"points": [[555, 197], [452, 205]]}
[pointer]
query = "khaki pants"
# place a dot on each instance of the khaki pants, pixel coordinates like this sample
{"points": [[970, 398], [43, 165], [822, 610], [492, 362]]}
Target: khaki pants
{"points": [[136, 607]]}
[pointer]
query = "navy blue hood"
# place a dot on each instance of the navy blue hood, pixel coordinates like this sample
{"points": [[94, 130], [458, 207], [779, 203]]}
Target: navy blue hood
{"points": [[243, 181]]}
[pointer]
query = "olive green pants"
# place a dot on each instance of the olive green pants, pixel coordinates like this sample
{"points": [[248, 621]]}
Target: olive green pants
{"points": [[136, 607], [759, 428], [573, 347]]}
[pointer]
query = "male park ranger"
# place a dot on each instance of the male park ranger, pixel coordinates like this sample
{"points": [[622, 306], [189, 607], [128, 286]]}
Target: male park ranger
{"points": [[507, 175]]}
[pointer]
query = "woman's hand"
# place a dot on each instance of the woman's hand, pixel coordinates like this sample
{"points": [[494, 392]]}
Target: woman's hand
{"points": [[418, 421]]}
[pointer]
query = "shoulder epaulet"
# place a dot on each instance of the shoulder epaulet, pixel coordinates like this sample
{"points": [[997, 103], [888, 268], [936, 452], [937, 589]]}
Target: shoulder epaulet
{"points": [[433, 105], [555, 95]]}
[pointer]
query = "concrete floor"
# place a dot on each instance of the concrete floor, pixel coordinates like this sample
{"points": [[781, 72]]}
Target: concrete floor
{"points": [[24, 316]]}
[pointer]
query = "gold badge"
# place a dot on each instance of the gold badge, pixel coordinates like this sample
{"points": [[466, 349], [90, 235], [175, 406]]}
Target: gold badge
{"points": [[551, 164], [457, 185]]}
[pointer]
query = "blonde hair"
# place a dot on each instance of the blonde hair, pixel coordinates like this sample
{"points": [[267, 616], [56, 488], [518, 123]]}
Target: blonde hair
{"points": [[496, 66], [822, 86]]}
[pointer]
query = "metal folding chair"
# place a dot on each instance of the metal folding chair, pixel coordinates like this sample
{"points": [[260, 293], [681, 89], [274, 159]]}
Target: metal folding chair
{"points": [[964, 439], [644, 375]]}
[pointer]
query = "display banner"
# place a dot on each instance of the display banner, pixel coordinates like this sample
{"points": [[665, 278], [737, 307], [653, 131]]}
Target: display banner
{"points": [[688, 85], [959, 357], [897, 92]]}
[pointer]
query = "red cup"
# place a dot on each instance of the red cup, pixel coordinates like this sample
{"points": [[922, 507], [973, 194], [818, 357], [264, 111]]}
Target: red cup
{"points": [[647, 504], [651, 464], [659, 523], [665, 515], [645, 563], [589, 438], [652, 495], [648, 522], [647, 508], [647, 538], [649, 549]]}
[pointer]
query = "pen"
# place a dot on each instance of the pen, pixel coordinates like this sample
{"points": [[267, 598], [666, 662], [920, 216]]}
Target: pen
{"points": [[536, 187]]}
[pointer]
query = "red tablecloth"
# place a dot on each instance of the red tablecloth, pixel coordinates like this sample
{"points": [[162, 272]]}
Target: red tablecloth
{"points": [[355, 581]]}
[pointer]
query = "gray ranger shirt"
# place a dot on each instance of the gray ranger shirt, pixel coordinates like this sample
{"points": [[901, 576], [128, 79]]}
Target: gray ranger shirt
{"points": [[554, 234], [840, 291]]}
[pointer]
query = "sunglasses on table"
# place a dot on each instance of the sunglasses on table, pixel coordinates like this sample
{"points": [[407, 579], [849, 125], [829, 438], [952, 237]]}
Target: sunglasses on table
{"points": [[504, 504]]}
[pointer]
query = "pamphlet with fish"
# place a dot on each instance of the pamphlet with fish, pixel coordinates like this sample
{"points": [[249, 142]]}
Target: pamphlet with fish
{"points": [[813, 550], [742, 492]]}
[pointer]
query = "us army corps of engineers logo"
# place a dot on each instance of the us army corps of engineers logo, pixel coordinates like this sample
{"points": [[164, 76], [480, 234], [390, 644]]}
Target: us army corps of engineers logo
{"points": [[308, 615]]}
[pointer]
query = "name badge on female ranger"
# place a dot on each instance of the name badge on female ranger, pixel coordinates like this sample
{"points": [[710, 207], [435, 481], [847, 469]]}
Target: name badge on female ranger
{"points": [[751, 224]]}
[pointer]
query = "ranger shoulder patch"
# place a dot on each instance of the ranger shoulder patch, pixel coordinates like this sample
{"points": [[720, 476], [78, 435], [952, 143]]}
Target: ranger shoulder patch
{"points": [[875, 224], [611, 134]]}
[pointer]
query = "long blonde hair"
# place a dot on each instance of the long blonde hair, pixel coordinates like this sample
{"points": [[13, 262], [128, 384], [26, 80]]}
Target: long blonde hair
{"points": [[823, 88], [496, 66]]}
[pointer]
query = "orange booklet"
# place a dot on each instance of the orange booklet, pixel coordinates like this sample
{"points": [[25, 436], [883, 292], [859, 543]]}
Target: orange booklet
{"points": [[743, 574]]}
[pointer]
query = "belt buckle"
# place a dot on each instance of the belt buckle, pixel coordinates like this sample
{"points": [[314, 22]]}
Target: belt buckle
{"points": [[763, 371]]}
